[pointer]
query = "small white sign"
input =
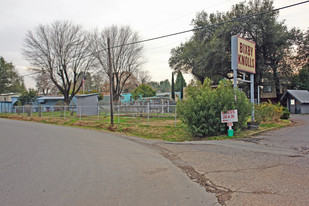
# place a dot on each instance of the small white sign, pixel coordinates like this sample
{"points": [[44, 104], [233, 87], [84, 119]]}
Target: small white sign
{"points": [[229, 116], [230, 124]]}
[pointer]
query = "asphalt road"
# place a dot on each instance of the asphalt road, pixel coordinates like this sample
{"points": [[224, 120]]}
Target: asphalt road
{"points": [[269, 169], [46, 165]]}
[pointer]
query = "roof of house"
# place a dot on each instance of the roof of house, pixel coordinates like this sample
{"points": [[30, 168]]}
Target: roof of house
{"points": [[50, 98], [301, 95], [61, 97], [87, 95], [10, 94]]}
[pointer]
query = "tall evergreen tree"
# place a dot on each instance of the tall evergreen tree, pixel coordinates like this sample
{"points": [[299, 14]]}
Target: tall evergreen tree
{"points": [[179, 79], [10, 81], [207, 53], [182, 81], [173, 87]]}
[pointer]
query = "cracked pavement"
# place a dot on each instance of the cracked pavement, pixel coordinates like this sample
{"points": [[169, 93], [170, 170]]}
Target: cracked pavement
{"points": [[270, 169]]}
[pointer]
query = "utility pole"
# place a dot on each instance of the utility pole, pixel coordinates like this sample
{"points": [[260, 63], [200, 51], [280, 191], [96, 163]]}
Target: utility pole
{"points": [[110, 81]]}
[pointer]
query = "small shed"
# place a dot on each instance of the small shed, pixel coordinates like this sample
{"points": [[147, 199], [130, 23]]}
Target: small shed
{"points": [[297, 101], [7, 101], [87, 104]]}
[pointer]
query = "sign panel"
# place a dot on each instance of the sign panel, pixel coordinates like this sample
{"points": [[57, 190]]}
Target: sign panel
{"points": [[229, 116], [243, 54]]}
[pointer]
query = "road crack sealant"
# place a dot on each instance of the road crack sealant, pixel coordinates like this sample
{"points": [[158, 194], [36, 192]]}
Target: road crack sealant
{"points": [[223, 194]]}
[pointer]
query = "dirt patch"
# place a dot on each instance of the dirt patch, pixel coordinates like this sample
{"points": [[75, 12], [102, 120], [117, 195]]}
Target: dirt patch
{"points": [[84, 124], [112, 128], [297, 122]]}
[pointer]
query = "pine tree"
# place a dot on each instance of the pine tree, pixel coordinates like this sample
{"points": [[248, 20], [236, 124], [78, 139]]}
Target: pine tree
{"points": [[173, 87], [179, 79]]}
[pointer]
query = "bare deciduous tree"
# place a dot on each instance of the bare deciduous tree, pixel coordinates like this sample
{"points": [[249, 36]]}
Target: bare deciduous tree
{"points": [[60, 49], [144, 77], [126, 56], [43, 82]]}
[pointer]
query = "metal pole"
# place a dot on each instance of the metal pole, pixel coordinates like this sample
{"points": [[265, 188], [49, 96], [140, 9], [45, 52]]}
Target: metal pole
{"points": [[148, 113], [168, 107], [235, 78], [175, 116], [110, 81], [252, 95], [162, 106], [98, 118], [258, 94], [234, 59], [80, 113], [118, 113]]}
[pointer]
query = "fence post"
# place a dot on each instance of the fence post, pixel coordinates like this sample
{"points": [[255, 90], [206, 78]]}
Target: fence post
{"points": [[162, 106], [23, 109], [98, 118], [168, 107], [65, 107], [80, 113], [118, 113], [175, 116], [148, 114]]}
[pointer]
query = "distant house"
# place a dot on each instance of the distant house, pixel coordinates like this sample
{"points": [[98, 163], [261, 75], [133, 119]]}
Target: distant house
{"points": [[126, 98], [87, 104], [7, 101], [169, 95], [50, 100], [297, 101]]}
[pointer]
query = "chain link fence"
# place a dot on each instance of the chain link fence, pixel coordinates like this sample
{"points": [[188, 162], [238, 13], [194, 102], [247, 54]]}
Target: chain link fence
{"points": [[98, 113]]}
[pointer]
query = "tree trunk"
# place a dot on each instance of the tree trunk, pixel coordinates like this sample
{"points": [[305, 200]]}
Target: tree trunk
{"points": [[277, 84]]}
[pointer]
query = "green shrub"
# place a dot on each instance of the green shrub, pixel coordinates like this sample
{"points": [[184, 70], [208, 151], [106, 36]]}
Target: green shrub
{"points": [[144, 91], [285, 113], [268, 112], [201, 110]]}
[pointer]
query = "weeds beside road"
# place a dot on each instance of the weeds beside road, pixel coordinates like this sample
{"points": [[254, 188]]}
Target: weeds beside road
{"points": [[162, 128]]}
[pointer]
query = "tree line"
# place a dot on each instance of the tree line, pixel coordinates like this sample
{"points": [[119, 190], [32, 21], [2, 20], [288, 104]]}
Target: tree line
{"points": [[280, 52], [67, 56]]}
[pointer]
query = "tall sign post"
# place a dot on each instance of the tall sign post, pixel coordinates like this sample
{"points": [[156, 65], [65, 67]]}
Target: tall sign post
{"points": [[243, 60]]}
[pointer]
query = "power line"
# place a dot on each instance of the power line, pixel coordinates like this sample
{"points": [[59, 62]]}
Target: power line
{"points": [[180, 17], [196, 29], [31, 74], [213, 25]]}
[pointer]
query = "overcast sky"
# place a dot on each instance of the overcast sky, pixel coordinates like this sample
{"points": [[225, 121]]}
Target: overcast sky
{"points": [[148, 18]]}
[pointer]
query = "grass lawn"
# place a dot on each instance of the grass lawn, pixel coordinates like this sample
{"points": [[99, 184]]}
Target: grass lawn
{"points": [[162, 128]]}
